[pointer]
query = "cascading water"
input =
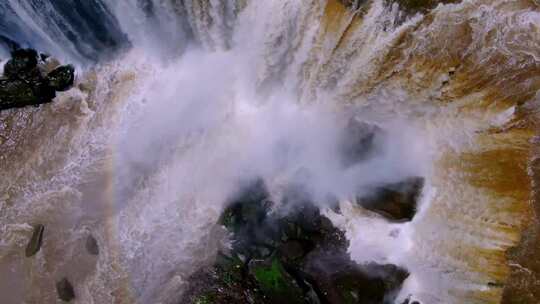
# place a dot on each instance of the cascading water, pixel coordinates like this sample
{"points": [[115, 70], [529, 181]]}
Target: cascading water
{"points": [[179, 102]]}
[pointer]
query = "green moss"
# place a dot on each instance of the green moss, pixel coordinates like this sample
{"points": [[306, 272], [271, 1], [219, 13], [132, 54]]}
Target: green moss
{"points": [[271, 278]]}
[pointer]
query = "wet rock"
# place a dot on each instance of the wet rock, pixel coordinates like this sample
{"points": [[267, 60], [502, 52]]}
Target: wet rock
{"points": [[35, 241], [293, 250], [342, 281], [65, 291], [396, 202], [276, 283], [61, 78], [92, 245], [415, 6], [23, 61], [288, 253], [14, 92], [24, 82], [44, 57], [48, 65]]}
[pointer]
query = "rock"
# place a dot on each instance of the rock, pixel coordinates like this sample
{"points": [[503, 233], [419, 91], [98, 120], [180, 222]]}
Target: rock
{"points": [[21, 63], [16, 92], [61, 78], [92, 245], [44, 57], [65, 291], [397, 201], [35, 241], [20, 93], [293, 250], [411, 7], [340, 280], [276, 283], [24, 84], [288, 253], [48, 65]]}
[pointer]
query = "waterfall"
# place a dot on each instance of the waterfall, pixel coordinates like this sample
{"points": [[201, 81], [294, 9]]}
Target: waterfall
{"points": [[179, 101]]}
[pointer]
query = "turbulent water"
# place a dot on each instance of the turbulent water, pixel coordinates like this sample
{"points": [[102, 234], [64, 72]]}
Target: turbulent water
{"points": [[177, 103]]}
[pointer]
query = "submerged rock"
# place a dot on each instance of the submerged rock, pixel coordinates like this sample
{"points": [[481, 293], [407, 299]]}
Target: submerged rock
{"points": [[65, 291], [35, 241], [92, 245], [396, 202], [24, 83], [288, 254]]}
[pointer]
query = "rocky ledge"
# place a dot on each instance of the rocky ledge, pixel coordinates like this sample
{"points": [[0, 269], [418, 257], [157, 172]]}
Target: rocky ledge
{"points": [[32, 79], [288, 253]]}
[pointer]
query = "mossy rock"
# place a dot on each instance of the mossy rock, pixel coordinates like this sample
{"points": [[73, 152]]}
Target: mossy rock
{"points": [[294, 256], [276, 283]]}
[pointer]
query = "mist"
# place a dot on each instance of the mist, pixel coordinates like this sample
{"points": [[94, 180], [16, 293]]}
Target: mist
{"points": [[196, 131]]}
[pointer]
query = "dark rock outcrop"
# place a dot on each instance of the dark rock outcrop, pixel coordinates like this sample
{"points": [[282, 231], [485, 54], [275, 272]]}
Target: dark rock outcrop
{"points": [[34, 245], [397, 201], [415, 6], [65, 291], [24, 83], [288, 254]]}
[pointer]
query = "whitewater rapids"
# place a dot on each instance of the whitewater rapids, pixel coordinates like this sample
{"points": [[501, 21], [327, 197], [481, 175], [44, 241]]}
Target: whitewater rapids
{"points": [[144, 151]]}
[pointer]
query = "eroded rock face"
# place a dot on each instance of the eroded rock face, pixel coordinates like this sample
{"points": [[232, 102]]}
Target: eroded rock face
{"points": [[24, 82], [288, 254]]}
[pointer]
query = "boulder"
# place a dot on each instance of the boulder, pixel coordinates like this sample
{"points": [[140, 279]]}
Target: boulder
{"points": [[65, 291], [395, 201], [34, 245]]}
